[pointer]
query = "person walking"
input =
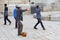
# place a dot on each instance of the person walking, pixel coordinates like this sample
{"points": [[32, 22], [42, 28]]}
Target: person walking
{"points": [[32, 8], [6, 15], [15, 14], [38, 15], [19, 18]]}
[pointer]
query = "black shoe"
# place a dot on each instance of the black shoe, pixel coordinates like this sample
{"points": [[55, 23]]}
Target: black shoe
{"points": [[44, 29], [10, 23], [15, 27], [35, 28], [4, 24], [19, 34]]}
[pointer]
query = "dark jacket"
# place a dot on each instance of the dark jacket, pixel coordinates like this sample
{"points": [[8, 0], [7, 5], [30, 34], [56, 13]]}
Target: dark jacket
{"points": [[20, 14], [6, 11], [38, 13]]}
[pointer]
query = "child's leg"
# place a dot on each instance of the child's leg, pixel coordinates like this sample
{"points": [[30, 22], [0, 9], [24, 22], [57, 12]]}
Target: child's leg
{"points": [[15, 23], [4, 20], [42, 24], [20, 27], [36, 25]]}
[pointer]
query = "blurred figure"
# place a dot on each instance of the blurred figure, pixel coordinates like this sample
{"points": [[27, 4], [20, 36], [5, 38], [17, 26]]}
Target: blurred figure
{"points": [[6, 14], [32, 8], [38, 15], [19, 18], [15, 14]]}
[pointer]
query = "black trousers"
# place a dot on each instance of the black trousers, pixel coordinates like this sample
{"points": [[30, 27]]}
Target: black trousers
{"points": [[6, 19], [15, 23], [39, 21], [20, 27]]}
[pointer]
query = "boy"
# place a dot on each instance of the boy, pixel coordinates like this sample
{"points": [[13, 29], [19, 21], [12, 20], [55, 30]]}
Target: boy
{"points": [[6, 14], [38, 15], [19, 18]]}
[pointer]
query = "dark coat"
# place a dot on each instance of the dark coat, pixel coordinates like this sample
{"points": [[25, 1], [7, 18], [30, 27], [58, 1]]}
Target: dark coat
{"points": [[6, 11], [20, 14]]}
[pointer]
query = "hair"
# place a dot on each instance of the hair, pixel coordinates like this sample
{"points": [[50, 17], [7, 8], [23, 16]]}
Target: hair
{"points": [[32, 2], [18, 7], [5, 4], [37, 6]]}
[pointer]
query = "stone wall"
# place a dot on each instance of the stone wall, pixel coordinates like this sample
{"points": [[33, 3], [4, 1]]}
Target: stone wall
{"points": [[11, 4], [1, 6]]}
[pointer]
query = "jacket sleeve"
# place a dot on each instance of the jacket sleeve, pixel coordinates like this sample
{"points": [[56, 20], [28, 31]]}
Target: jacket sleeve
{"points": [[24, 10]]}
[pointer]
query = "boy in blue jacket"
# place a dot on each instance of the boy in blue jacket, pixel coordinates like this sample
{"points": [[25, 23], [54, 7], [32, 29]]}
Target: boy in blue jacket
{"points": [[15, 14]]}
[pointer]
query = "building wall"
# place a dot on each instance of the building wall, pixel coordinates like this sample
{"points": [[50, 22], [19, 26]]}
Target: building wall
{"points": [[11, 4], [48, 3], [1, 5]]}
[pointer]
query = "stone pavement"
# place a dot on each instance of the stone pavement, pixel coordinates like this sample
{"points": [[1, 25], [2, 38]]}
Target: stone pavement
{"points": [[52, 32]]}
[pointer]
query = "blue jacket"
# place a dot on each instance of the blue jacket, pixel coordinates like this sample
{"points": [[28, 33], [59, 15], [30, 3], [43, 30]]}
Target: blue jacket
{"points": [[38, 14], [15, 13]]}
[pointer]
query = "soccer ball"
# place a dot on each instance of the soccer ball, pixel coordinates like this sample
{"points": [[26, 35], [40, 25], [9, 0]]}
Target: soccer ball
{"points": [[24, 34]]}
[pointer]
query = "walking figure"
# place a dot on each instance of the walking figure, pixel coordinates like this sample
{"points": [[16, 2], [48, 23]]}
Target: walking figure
{"points": [[15, 14], [19, 18], [38, 15], [6, 15]]}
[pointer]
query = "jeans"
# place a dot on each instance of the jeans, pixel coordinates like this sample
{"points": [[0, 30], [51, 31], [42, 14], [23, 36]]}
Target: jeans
{"points": [[15, 23], [20, 27], [39, 21], [6, 19]]}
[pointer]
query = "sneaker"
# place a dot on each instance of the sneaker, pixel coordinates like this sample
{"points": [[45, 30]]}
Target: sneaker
{"points": [[4, 24], [35, 28], [10, 23], [44, 29], [15, 27], [19, 34]]}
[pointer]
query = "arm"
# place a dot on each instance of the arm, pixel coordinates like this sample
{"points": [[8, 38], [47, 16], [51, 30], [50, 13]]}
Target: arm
{"points": [[24, 10]]}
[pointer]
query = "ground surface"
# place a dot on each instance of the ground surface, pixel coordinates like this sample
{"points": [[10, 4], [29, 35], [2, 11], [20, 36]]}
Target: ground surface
{"points": [[8, 32]]}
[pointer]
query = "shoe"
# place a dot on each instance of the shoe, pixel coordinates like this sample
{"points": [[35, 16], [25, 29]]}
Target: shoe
{"points": [[4, 24], [15, 27], [19, 34], [35, 28], [10, 23], [44, 29]]}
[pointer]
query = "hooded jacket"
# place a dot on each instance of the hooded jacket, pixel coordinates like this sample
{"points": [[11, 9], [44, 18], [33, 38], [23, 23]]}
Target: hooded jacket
{"points": [[15, 12], [38, 14]]}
